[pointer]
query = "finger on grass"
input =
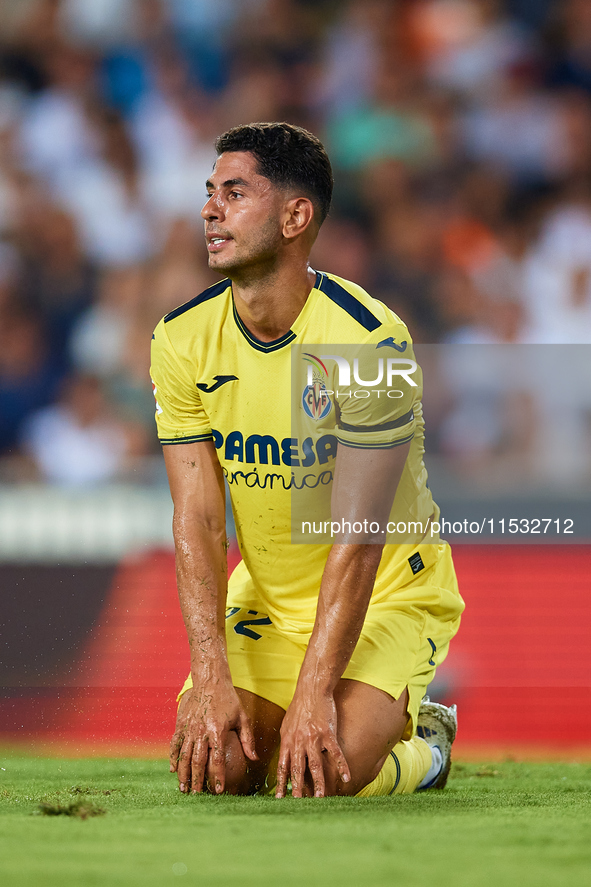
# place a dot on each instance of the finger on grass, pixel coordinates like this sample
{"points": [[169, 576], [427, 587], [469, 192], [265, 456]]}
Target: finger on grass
{"points": [[282, 774], [317, 772], [217, 762], [334, 751], [184, 764], [175, 748], [246, 738], [298, 772], [198, 764]]}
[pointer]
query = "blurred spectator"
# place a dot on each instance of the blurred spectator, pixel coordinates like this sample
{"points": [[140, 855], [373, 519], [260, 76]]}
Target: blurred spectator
{"points": [[79, 441], [521, 129], [532, 13], [104, 193], [100, 338], [557, 284], [405, 273], [56, 134], [570, 63], [467, 45], [202, 31], [28, 378], [342, 248], [9, 267], [488, 427], [57, 281], [349, 62], [463, 316], [391, 126], [101, 24]]}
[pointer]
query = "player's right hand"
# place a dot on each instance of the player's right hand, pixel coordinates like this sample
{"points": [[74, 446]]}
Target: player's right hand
{"points": [[205, 717], [308, 733]]}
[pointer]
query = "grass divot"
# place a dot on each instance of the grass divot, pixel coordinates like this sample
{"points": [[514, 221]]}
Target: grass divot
{"points": [[80, 808]]}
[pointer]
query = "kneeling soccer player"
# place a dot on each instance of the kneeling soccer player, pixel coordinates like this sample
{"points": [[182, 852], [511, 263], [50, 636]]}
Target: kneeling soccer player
{"points": [[310, 665]]}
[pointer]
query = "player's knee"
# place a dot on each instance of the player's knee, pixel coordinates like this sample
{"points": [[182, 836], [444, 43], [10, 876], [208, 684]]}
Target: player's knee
{"points": [[240, 777], [244, 781], [362, 773]]}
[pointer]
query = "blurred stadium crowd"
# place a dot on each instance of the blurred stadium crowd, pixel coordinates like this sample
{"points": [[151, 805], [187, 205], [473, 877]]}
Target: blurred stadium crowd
{"points": [[460, 134]]}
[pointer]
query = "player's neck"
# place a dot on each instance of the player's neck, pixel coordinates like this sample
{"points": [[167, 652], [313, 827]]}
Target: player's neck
{"points": [[268, 306]]}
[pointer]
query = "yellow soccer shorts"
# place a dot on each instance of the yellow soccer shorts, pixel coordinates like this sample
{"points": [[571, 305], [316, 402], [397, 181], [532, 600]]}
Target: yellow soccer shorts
{"points": [[402, 642]]}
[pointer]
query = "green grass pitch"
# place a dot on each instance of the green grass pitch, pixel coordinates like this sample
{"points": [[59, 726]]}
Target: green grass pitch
{"points": [[495, 824]]}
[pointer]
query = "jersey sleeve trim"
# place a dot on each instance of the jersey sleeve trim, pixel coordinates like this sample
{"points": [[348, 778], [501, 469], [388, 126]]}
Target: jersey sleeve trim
{"points": [[387, 426], [345, 300], [375, 446], [192, 438]]}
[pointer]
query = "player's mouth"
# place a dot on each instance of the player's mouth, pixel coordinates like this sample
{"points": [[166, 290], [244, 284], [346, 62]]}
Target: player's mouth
{"points": [[216, 242]]}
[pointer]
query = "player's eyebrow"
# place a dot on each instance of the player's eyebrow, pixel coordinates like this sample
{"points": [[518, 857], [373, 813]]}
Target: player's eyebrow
{"points": [[229, 183]]}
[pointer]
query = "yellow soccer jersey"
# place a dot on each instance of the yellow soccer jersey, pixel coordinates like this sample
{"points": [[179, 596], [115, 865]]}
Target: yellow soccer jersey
{"points": [[276, 412]]}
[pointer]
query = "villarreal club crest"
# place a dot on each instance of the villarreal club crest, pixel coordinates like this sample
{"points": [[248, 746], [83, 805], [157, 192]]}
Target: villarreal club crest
{"points": [[315, 400]]}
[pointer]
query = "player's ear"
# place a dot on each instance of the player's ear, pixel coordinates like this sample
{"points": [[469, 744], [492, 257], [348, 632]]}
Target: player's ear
{"points": [[299, 215]]}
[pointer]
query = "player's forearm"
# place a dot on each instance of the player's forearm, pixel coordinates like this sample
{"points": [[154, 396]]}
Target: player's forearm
{"points": [[201, 567], [345, 592]]}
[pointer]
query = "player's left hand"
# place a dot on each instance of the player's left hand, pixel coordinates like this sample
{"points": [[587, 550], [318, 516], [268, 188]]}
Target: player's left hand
{"points": [[308, 739]]}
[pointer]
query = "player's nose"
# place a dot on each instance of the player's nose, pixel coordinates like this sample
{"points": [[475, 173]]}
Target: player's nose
{"points": [[213, 209]]}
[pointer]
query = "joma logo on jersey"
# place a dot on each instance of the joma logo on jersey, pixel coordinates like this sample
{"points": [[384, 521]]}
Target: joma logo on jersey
{"points": [[265, 449], [218, 382]]}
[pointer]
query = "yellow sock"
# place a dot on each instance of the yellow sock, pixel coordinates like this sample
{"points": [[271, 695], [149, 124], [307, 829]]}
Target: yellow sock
{"points": [[404, 769]]}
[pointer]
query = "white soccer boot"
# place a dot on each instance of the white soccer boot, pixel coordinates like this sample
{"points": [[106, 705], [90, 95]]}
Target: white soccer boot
{"points": [[437, 725]]}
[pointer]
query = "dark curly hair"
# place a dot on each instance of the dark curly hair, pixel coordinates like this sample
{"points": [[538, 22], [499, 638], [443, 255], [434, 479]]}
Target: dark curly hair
{"points": [[288, 156]]}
